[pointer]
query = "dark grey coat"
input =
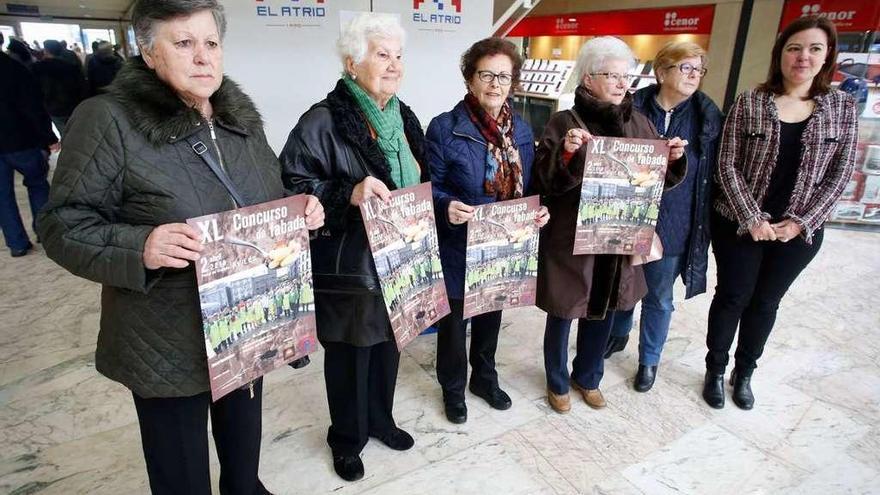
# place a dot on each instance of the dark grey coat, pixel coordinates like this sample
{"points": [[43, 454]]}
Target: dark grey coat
{"points": [[126, 168]]}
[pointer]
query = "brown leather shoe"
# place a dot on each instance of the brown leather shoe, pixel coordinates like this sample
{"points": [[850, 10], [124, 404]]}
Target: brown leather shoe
{"points": [[559, 403], [593, 397]]}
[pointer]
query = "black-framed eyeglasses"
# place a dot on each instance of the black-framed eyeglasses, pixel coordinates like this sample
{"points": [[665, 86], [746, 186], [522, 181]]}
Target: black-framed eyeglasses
{"points": [[615, 77], [687, 69], [487, 76]]}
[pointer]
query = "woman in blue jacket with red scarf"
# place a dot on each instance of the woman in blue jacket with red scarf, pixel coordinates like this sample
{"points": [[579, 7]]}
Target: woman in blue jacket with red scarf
{"points": [[676, 108], [480, 152]]}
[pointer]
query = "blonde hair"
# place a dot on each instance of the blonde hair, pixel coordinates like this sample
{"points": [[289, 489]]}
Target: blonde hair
{"points": [[674, 51]]}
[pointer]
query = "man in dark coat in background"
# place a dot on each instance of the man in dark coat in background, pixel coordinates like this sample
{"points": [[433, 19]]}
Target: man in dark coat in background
{"points": [[61, 82], [25, 138], [102, 67]]}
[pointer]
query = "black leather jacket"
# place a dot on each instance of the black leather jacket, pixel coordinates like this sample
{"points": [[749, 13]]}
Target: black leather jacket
{"points": [[327, 154]]}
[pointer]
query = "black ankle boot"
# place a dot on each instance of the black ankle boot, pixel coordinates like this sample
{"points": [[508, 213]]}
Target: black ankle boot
{"points": [[713, 389], [615, 344], [742, 389], [348, 467], [645, 378]]}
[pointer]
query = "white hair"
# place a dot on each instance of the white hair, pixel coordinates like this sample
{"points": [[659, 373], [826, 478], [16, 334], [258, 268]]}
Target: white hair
{"points": [[596, 52], [356, 35]]}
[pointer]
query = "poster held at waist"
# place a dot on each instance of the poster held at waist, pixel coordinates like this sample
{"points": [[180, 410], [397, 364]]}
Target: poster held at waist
{"points": [[502, 256], [255, 291], [403, 240], [620, 195]]}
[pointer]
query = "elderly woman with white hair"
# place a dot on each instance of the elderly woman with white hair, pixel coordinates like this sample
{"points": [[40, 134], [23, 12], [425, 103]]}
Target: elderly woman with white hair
{"points": [[358, 143], [589, 288]]}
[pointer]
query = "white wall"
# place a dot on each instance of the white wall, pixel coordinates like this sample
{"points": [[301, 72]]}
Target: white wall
{"points": [[286, 63]]}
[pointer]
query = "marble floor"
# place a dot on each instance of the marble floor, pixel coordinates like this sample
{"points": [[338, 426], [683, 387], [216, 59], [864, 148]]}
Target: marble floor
{"points": [[64, 429]]}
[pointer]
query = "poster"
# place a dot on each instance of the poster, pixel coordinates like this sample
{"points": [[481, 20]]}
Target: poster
{"points": [[502, 256], [620, 195], [403, 239], [255, 289]]}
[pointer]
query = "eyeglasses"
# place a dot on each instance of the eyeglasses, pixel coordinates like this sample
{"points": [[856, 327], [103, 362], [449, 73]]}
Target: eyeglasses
{"points": [[487, 76], [616, 77], [687, 69]]}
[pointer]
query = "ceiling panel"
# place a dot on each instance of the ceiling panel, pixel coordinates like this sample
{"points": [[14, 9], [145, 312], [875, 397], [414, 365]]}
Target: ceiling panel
{"points": [[108, 9]]}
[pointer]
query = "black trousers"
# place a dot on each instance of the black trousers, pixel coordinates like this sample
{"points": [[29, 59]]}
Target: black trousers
{"points": [[174, 434], [360, 392], [452, 356], [752, 279]]}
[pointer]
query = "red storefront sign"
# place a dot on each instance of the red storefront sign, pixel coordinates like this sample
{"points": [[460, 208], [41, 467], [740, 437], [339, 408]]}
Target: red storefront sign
{"points": [[847, 15], [670, 20]]}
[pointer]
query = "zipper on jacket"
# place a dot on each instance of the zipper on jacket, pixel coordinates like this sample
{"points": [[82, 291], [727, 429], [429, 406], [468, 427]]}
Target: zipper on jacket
{"points": [[235, 205], [339, 252], [251, 389], [469, 137]]}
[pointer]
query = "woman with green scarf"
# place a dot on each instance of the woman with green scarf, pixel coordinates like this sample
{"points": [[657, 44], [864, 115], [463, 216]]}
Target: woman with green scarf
{"points": [[358, 143]]}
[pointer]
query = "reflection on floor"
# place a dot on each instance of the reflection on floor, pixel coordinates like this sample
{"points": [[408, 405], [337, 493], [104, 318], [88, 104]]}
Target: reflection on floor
{"points": [[815, 428]]}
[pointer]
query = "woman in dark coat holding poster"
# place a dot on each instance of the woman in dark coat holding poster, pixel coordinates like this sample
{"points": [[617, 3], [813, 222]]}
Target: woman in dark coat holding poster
{"points": [[126, 181], [479, 153], [360, 142], [589, 288]]}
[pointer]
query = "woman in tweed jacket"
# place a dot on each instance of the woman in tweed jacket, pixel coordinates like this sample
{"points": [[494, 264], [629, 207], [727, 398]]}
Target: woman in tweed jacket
{"points": [[786, 154]]}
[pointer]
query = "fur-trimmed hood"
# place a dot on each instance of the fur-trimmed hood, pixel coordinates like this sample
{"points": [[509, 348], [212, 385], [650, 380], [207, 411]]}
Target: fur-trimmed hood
{"points": [[161, 116]]}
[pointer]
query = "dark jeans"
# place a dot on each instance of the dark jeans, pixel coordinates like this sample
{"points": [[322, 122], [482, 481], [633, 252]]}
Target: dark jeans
{"points": [[452, 351], [588, 365], [657, 308], [360, 393], [174, 434], [34, 166], [752, 279]]}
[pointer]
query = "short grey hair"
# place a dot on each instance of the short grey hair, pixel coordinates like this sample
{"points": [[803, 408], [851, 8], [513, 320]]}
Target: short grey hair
{"points": [[355, 36], [146, 14], [596, 52]]}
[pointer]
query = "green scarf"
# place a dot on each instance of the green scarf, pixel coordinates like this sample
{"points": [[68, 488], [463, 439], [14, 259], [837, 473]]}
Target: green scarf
{"points": [[388, 125]]}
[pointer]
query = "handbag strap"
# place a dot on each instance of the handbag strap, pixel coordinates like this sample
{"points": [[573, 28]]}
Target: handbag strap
{"points": [[202, 150], [577, 118]]}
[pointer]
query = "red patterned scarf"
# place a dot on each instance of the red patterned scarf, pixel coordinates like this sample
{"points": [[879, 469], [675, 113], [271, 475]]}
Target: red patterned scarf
{"points": [[503, 178]]}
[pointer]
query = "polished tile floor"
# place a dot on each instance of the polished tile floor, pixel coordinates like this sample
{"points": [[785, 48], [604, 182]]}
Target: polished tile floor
{"points": [[64, 429]]}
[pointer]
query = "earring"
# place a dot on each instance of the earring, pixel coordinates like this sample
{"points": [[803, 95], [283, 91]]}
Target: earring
{"points": [[353, 76]]}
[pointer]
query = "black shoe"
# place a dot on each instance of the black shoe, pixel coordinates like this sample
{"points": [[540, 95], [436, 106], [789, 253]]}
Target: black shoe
{"points": [[261, 489], [496, 397], [300, 363], [713, 389], [348, 467], [742, 390], [456, 412], [615, 344], [645, 378], [397, 439], [17, 253]]}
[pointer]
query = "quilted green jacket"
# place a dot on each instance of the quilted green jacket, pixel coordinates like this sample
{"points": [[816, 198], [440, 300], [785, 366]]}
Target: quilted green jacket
{"points": [[126, 167]]}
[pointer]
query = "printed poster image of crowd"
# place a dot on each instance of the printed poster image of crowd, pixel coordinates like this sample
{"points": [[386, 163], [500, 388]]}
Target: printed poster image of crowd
{"points": [[620, 195], [255, 289], [502, 256], [403, 240]]}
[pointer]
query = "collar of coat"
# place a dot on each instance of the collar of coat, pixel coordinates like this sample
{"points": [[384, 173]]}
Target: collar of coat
{"points": [[462, 124], [351, 124], [161, 116], [709, 113], [607, 118]]}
